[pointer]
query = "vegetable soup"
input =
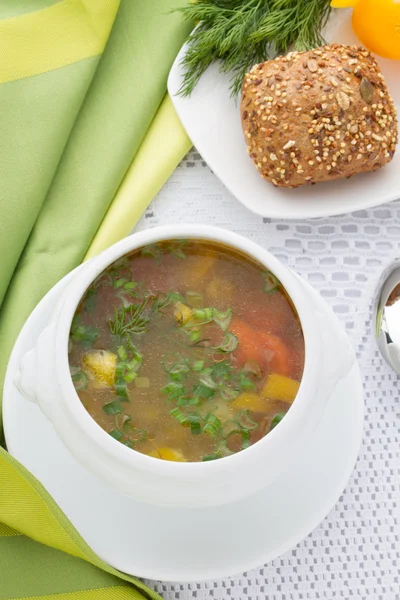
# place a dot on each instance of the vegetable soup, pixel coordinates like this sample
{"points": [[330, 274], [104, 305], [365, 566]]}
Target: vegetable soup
{"points": [[186, 351]]}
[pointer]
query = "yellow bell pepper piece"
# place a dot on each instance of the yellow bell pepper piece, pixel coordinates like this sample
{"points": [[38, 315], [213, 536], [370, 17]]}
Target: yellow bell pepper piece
{"points": [[182, 313], [168, 454], [250, 401], [279, 387], [100, 367]]}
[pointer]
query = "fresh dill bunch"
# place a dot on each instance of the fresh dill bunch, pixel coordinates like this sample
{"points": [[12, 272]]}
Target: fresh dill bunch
{"points": [[241, 33]]}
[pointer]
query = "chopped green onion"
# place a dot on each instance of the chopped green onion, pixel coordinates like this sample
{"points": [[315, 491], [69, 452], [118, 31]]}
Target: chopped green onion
{"points": [[198, 365], [178, 370], [130, 376], [174, 390], [116, 434], [84, 334], [213, 425], [195, 335], [223, 449], [223, 319], [184, 401], [120, 282], [203, 391], [229, 343], [130, 285], [208, 457], [195, 426], [202, 343], [90, 300], [152, 250], [245, 439], [179, 416], [251, 367], [122, 353], [230, 427], [178, 252], [120, 369], [113, 408], [194, 299], [242, 434], [245, 421], [121, 389], [271, 283], [128, 443], [201, 316], [222, 370], [246, 383], [207, 380], [134, 364], [126, 421], [79, 378], [276, 420], [228, 393]]}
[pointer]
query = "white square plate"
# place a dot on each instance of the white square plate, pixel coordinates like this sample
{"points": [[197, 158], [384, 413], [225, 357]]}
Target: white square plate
{"points": [[212, 121]]}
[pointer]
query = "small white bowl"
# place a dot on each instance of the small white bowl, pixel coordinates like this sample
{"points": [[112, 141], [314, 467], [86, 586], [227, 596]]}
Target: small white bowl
{"points": [[43, 376]]}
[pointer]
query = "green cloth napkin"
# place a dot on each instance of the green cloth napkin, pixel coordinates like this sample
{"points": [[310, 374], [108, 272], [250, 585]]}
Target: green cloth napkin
{"points": [[72, 120]]}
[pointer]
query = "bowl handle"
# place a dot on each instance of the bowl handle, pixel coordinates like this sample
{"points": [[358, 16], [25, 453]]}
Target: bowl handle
{"points": [[35, 376]]}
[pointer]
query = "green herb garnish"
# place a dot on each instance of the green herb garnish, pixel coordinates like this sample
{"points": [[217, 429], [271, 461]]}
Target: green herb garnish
{"points": [[208, 457], [276, 420], [229, 343], [177, 248], [271, 283], [223, 319], [153, 250], [179, 416], [245, 421], [79, 378], [213, 425], [90, 300], [113, 408], [241, 33], [85, 335], [130, 319]]}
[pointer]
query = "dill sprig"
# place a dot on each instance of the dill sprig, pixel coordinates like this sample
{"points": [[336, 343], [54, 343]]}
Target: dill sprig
{"points": [[130, 319], [241, 33], [134, 318]]}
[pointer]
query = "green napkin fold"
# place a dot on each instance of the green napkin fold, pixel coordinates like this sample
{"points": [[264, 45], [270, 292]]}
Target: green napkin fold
{"points": [[72, 120]]}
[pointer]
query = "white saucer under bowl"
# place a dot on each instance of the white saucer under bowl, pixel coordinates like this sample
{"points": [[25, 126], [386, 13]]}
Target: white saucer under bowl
{"points": [[186, 544], [212, 121]]}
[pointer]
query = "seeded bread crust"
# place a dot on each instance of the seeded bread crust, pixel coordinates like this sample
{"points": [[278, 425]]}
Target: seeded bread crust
{"points": [[318, 116]]}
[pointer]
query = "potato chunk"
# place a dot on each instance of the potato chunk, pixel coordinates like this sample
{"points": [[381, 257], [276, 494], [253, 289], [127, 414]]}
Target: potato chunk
{"points": [[100, 367], [182, 313]]}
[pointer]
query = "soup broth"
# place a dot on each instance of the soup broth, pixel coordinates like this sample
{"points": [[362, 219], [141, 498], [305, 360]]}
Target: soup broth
{"points": [[186, 351]]}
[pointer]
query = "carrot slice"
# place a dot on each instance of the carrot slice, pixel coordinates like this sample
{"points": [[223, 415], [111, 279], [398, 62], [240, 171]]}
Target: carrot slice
{"points": [[266, 349]]}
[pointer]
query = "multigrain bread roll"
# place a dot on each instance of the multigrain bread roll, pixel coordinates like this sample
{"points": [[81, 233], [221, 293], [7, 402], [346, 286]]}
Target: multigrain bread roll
{"points": [[317, 116]]}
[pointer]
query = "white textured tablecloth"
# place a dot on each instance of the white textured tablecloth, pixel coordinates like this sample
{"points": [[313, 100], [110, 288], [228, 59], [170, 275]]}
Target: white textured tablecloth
{"points": [[355, 552]]}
